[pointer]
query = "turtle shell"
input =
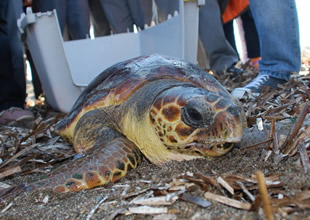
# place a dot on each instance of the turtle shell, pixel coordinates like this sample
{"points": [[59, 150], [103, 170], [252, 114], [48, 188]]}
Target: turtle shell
{"points": [[117, 83]]}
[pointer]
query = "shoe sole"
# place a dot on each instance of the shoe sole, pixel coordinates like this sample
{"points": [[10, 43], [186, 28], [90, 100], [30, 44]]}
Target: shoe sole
{"points": [[238, 93]]}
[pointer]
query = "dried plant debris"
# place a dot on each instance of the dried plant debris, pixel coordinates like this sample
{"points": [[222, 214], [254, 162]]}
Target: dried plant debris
{"points": [[278, 134], [283, 114], [254, 194], [24, 150]]}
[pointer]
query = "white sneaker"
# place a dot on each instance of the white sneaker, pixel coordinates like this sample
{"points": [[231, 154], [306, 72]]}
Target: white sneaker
{"points": [[256, 85]]}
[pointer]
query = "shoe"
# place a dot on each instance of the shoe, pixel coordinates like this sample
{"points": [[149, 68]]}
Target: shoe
{"points": [[256, 85], [14, 115], [235, 71]]}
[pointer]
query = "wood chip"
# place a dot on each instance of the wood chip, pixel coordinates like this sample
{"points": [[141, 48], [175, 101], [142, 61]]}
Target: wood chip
{"points": [[146, 210], [223, 183], [155, 201], [207, 179], [45, 200], [246, 191], [165, 217], [10, 171], [228, 201]]}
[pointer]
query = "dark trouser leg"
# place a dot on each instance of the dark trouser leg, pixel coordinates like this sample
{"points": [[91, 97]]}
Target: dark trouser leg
{"points": [[12, 75], [118, 15], [98, 18], [211, 33]]}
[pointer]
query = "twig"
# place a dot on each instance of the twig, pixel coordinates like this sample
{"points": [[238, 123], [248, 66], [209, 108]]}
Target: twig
{"points": [[297, 126], [228, 201], [116, 213], [245, 190], [256, 145], [226, 185], [264, 193], [96, 207], [10, 171], [276, 143], [7, 207], [18, 154], [304, 156]]}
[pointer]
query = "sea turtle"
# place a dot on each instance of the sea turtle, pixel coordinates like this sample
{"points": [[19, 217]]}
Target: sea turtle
{"points": [[161, 107]]}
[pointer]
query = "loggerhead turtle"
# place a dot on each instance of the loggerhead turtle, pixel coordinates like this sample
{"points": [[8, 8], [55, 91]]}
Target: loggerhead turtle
{"points": [[160, 107]]}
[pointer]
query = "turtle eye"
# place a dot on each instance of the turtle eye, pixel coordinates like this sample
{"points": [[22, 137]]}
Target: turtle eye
{"points": [[194, 114], [192, 117], [197, 114]]}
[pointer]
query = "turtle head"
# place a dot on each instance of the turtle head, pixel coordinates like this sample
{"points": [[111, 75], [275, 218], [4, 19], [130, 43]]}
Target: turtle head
{"points": [[194, 121]]}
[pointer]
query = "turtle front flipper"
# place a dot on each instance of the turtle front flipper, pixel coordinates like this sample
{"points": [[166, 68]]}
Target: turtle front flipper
{"points": [[108, 155], [99, 166]]}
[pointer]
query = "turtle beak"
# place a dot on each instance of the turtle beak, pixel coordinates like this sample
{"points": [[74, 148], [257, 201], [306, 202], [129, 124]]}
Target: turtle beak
{"points": [[219, 149], [208, 149]]}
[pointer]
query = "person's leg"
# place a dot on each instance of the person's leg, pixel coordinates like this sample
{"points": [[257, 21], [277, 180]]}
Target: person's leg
{"points": [[98, 19], [17, 89], [220, 53], [118, 15], [37, 86], [229, 34], [250, 35], [166, 7], [43, 5], [8, 87], [277, 26], [12, 74], [50, 5], [141, 12], [77, 19]]}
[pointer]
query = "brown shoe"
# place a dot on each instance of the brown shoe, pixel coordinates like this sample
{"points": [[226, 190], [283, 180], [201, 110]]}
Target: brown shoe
{"points": [[15, 115]]}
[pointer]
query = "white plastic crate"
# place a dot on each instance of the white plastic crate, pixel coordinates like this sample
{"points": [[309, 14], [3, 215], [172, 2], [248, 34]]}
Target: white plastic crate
{"points": [[66, 67]]}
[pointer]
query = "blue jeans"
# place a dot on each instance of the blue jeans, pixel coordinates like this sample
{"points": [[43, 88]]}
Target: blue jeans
{"points": [[277, 25]]}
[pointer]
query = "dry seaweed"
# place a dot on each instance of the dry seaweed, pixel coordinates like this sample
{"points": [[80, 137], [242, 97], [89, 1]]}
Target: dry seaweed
{"points": [[283, 114]]}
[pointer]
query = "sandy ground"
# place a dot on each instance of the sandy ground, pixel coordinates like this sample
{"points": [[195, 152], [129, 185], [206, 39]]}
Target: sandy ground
{"points": [[79, 205], [114, 201]]}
